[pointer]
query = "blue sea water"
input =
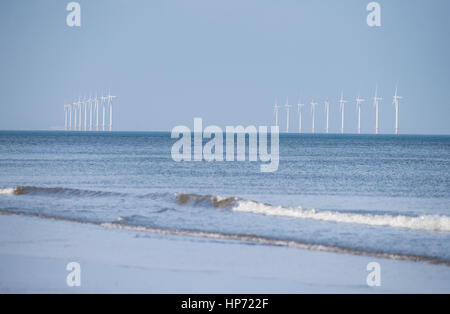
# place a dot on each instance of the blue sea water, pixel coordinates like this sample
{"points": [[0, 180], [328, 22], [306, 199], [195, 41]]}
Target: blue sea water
{"points": [[362, 193]]}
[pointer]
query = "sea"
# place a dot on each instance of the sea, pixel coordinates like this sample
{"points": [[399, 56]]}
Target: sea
{"points": [[375, 195]]}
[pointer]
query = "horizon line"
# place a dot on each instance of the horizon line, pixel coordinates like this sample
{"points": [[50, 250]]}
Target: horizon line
{"points": [[170, 131]]}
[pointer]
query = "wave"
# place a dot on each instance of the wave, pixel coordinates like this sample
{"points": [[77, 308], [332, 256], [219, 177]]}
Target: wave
{"points": [[7, 191], [434, 223], [36, 190], [208, 200], [424, 222]]}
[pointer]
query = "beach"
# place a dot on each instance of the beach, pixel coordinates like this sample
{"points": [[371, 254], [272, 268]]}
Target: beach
{"points": [[34, 253]]}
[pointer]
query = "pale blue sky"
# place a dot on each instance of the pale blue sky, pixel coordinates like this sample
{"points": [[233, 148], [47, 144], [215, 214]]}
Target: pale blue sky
{"points": [[225, 61]]}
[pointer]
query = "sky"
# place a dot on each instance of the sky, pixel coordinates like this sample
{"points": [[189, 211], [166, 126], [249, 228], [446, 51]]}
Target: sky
{"points": [[226, 62]]}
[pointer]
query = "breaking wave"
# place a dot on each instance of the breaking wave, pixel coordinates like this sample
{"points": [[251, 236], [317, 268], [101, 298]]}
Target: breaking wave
{"points": [[7, 191], [35, 190], [424, 223], [206, 200]]}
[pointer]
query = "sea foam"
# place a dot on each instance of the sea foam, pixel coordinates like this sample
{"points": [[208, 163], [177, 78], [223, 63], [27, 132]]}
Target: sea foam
{"points": [[7, 191], [425, 222]]}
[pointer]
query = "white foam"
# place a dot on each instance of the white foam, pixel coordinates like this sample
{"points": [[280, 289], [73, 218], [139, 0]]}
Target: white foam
{"points": [[426, 222], [7, 190]]}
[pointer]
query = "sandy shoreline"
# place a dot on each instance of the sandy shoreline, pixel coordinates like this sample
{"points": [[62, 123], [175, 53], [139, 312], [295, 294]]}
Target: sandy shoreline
{"points": [[34, 253]]}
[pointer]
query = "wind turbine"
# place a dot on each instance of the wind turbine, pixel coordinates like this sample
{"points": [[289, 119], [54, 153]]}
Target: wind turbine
{"points": [[110, 98], [300, 106], [287, 113], [342, 103], [85, 113], [75, 109], [90, 112], [103, 109], [327, 109], [313, 110], [79, 116], [104, 112], [96, 110], [276, 107], [395, 102], [70, 116], [376, 103], [359, 100]]}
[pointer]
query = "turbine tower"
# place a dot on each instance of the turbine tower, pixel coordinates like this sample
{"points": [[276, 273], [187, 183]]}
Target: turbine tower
{"points": [[104, 112], [359, 100], [376, 103], [276, 107], [313, 110], [300, 106], [96, 110], [75, 109], [79, 116], [90, 112], [110, 98], [85, 113], [327, 109], [342, 103], [102, 104], [70, 116], [287, 114], [395, 102]]}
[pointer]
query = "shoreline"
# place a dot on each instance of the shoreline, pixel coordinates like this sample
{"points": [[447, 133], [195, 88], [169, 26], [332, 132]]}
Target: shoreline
{"points": [[34, 253], [244, 239]]}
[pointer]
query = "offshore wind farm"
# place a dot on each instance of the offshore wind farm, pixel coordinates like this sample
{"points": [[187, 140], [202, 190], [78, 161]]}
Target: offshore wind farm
{"points": [[96, 106], [95, 113], [341, 102]]}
